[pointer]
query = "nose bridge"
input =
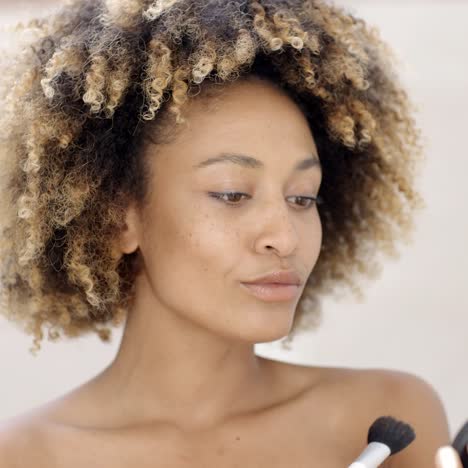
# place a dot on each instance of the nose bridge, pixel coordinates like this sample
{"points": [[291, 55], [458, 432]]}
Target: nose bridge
{"points": [[276, 225], [277, 210]]}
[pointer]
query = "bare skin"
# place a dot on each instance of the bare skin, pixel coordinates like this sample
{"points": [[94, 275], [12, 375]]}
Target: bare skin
{"points": [[186, 388], [311, 415]]}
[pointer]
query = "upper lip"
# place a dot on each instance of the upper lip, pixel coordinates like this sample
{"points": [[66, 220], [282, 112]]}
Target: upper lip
{"points": [[278, 277]]}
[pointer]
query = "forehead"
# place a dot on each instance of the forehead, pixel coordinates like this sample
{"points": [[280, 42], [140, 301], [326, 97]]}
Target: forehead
{"points": [[214, 95], [247, 106], [253, 117]]}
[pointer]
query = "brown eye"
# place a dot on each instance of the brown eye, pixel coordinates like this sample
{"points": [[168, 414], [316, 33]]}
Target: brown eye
{"points": [[310, 201], [306, 202], [233, 198], [229, 197]]}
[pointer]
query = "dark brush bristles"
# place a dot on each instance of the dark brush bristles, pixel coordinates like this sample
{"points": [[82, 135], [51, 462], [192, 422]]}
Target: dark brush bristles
{"points": [[389, 431], [461, 439], [460, 444]]}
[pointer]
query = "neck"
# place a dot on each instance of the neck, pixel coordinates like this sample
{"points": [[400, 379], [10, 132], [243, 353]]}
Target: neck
{"points": [[171, 369]]}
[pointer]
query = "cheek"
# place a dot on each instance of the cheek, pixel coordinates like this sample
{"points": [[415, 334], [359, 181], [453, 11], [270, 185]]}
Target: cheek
{"points": [[317, 237], [192, 266], [192, 248], [213, 249], [317, 230], [310, 242]]}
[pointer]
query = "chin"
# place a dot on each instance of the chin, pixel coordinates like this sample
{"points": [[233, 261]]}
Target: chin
{"points": [[267, 332]]}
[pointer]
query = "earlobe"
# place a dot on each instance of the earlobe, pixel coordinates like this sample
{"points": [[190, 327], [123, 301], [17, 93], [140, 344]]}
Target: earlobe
{"points": [[128, 244], [128, 237]]}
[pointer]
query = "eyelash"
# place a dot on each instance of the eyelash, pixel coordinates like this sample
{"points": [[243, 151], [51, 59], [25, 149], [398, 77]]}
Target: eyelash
{"points": [[218, 195]]}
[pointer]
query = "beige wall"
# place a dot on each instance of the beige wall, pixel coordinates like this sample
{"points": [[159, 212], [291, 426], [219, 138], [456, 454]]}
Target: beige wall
{"points": [[415, 317]]}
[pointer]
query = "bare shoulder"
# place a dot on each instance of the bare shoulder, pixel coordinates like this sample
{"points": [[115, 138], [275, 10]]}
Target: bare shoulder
{"points": [[25, 441], [359, 396], [37, 437], [414, 400], [393, 386], [404, 395]]}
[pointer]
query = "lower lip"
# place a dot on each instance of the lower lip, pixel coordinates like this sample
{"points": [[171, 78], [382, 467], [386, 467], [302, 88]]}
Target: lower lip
{"points": [[273, 292]]}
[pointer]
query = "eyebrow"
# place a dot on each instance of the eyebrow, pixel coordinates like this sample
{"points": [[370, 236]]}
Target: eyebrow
{"points": [[252, 163]]}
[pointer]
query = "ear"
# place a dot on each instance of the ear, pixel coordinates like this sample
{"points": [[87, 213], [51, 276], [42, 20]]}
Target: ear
{"points": [[128, 239]]}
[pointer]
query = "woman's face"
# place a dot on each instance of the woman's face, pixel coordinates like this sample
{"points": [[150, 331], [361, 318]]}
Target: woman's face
{"points": [[198, 249]]}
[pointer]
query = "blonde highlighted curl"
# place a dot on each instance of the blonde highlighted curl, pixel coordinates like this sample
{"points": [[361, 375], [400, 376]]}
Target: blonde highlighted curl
{"points": [[97, 80]]}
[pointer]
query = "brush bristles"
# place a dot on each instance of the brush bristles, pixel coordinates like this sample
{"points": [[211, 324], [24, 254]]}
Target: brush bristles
{"points": [[461, 439], [460, 444], [397, 435]]}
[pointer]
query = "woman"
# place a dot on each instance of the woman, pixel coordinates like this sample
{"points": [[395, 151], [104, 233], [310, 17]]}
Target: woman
{"points": [[164, 161]]}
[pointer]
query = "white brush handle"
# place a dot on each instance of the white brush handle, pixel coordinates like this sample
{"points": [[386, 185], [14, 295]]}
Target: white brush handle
{"points": [[372, 456]]}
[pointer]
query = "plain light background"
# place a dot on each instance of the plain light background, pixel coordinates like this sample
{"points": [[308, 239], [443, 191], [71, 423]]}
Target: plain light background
{"points": [[415, 317]]}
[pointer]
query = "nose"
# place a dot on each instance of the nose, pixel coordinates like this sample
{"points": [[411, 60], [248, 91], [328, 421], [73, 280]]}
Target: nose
{"points": [[276, 229]]}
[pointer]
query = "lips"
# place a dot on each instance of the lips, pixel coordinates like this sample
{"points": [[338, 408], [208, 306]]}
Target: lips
{"points": [[273, 292], [284, 277], [281, 285]]}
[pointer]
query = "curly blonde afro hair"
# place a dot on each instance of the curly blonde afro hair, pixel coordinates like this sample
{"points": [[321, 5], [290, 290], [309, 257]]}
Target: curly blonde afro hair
{"points": [[97, 80]]}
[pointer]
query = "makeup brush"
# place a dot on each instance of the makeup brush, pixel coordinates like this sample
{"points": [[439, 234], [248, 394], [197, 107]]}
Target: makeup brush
{"points": [[386, 437], [460, 444], [447, 457]]}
